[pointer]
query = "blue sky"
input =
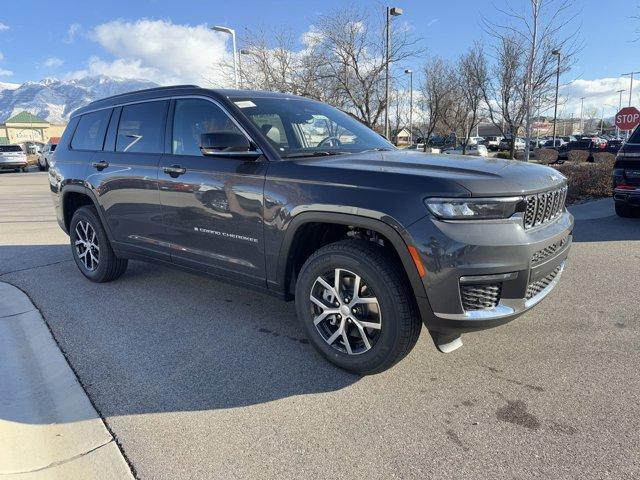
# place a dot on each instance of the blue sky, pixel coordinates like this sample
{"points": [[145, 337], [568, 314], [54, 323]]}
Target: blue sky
{"points": [[61, 39]]}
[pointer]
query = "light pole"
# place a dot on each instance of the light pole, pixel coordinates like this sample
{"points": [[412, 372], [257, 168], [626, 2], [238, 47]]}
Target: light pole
{"points": [[555, 108], [391, 12], [630, 74], [619, 108], [410, 73], [231, 32], [581, 111]]}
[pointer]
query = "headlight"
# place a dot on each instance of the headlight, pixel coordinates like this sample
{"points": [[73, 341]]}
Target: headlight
{"points": [[475, 208]]}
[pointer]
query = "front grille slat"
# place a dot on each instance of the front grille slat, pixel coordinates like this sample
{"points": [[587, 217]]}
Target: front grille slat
{"points": [[548, 251], [544, 207]]}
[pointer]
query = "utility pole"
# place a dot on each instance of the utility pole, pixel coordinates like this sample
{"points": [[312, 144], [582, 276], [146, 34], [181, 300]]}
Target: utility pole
{"points": [[391, 12], [630, 74], [619, 108], [555, 108], [410, 72], [581, 111]]}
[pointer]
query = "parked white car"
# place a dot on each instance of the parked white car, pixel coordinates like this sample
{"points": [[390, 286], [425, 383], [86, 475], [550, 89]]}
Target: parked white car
{"points": [[12, 157], [475, 140], [493, 142], [44, 159], [474, 150]]}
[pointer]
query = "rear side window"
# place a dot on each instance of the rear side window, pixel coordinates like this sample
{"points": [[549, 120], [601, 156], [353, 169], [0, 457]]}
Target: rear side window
{"points": [[89, 134], [141, 128], [635, 136], [53, 148]]}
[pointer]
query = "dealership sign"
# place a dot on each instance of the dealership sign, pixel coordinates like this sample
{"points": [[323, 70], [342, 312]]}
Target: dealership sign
{"points": [[628, 118]]}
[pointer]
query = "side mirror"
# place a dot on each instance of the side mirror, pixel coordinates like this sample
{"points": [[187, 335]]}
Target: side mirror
{"points": [[227, 144]]}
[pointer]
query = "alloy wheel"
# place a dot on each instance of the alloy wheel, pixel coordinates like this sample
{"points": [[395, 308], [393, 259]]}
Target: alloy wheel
{"points": [[346, 312], [86, 245]]}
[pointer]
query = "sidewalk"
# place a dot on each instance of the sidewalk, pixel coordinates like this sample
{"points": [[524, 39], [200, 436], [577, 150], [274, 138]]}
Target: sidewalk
{"points": [[48, 427]]}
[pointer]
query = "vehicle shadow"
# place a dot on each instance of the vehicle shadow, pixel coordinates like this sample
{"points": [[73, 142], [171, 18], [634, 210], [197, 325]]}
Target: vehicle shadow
{"points": [[160, 340], [607, 229]]}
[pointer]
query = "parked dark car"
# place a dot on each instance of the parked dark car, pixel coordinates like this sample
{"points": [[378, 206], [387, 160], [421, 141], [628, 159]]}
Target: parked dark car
{"points": [[292, 197], [626, 177], [613, 146], [585, 144]]}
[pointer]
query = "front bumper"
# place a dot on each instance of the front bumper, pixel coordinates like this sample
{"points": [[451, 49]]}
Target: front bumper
{"points": [[527, 263]]}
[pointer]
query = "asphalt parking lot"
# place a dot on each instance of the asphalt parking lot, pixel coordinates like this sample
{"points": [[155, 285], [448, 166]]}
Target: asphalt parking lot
{"points": [[198, 379]]}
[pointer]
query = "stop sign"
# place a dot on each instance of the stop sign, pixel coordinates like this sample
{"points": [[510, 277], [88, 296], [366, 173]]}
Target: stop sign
{"points": [[628, 118]]}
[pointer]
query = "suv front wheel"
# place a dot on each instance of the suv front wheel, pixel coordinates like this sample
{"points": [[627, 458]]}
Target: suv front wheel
{"points": [[356, 306], [91, 249]]}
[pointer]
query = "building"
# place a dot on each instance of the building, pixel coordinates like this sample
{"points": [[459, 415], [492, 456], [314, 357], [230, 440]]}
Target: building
{"points": [[25, 128]]}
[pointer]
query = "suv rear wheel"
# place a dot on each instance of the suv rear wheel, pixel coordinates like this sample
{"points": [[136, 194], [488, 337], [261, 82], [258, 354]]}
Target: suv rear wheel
{"points": [[91, 249], [357, 307]]}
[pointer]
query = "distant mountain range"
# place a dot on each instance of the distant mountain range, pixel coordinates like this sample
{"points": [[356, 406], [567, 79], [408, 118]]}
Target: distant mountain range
{"points": [[54, 100]]}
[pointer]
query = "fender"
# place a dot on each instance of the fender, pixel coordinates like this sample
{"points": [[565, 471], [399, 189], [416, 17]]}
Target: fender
{"points": [[92, 196], [398, 237]]}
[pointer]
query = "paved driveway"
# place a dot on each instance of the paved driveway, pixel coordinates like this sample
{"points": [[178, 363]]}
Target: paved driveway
{"points": [[198, 379]]}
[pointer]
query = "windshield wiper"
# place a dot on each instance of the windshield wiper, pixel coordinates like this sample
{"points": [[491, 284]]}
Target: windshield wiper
{"points": [[316, 153]]}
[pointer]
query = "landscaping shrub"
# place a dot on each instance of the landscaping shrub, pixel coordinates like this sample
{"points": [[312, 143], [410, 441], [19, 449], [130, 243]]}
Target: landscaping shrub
{"points": [[604, 157], [578, 156], [588, 180], [545, 155], [503, 155]]}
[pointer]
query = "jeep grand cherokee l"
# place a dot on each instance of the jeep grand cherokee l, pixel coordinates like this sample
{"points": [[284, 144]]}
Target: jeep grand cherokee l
{"points": [[293, 197], [626, 177]]}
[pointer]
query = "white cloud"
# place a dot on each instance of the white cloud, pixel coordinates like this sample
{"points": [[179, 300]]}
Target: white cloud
{"points": [[53, 62], [3, 26], [5, 73], [1, 56], [598, 93], [160, 51], [72, 32]]}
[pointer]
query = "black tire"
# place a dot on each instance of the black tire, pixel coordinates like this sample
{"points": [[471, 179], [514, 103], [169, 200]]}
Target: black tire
{"points": [[109, 266], [40, 167], [627, 211], [383, 274], [25, 169]]}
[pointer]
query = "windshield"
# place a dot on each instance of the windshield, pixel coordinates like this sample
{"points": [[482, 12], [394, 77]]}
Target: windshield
{"points": [[299, 128], [10, 148]]}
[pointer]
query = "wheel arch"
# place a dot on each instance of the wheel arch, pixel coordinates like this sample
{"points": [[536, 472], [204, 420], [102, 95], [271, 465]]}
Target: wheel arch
{"points": [[398, 242], [76, 196]]}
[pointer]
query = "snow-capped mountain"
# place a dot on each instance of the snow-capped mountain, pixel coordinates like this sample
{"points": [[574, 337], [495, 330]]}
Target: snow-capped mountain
{"points": [[54, 100], [8, 86]]}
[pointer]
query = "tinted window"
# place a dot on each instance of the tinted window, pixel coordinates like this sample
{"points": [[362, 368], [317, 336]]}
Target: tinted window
{"points": [[194, 117], [53, 148], [90, 132], [635, 136], [141, 128], [10, 148]]}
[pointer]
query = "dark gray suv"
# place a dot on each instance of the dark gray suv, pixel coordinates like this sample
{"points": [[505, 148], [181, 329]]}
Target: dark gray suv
{"points": [[292, 197]]}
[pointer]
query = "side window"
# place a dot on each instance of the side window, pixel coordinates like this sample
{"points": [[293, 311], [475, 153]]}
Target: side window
{"points": [[89, 134], [141, 128], [194, 117]]}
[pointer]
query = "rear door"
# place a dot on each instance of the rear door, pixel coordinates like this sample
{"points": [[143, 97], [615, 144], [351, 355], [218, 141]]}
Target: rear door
{"points": [[124, 176], [213, 206]]}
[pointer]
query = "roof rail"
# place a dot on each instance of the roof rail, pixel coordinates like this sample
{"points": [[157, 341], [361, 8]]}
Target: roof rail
{"points": [[155, 89]]}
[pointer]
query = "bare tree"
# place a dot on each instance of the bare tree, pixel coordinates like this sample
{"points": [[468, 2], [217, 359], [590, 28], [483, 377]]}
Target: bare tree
{"points": [[471, 78], [435, 96], [342, 62], [533, 33]]}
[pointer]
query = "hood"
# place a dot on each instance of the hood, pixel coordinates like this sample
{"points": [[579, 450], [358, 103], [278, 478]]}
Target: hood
{"points": [[480, 176]]}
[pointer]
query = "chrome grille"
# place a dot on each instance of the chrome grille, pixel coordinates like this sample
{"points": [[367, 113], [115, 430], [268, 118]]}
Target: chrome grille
{"points": [[544, 207], [480, 296], [536, 287], [548, 251]]}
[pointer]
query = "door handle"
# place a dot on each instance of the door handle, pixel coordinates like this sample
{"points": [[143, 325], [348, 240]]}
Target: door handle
{"points": [[174, 170], [101, 165]]}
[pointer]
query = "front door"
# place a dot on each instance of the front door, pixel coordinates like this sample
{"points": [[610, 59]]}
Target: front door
{"points": [[212, 207]]}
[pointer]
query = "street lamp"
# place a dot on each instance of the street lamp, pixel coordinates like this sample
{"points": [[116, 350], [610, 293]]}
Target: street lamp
{"points": [[581, 111], [231, 32], [555, 109], [391, 12], [410, 73], [619, 108]]}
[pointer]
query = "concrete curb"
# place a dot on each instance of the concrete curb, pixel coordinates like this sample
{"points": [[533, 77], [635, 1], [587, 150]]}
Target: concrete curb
{"points": [[593, 209], [48, 427]]}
